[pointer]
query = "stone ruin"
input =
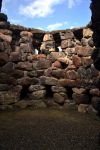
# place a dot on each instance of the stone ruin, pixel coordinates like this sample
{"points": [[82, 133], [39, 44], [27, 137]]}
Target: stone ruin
{"points": [[52, 77]]}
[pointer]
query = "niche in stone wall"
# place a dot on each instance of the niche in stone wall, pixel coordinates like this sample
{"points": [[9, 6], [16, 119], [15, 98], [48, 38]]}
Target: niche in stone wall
{"points": [[57, 40], [78, 33], [49, 93], [24, 94], [69, 92]]}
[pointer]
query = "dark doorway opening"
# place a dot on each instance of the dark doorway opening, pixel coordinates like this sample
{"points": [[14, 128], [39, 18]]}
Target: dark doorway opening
{"points": [[24, 93]]}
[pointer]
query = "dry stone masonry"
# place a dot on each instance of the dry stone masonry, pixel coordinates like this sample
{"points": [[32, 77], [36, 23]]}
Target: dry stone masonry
{"points": [[50, 78]]}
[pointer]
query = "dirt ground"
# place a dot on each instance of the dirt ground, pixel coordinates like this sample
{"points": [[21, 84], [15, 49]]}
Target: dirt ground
{"points": [[48, 129]]}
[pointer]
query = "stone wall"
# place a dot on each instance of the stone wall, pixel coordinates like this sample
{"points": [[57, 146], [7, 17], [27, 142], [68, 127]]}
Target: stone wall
{"points": [[52, 78]]}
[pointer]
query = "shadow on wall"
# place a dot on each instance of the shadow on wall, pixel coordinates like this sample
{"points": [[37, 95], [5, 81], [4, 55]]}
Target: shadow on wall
{"points": [[95, 20]]}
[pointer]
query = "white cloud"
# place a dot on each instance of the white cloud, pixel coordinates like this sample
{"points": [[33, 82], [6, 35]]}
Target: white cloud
{"points": [[72, 3], [39, 8], [56, 26], [40, 28], [15, 21]]}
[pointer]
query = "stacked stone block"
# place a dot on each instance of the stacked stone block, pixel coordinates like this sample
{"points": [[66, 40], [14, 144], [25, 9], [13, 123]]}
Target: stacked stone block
{"points": [[48, 44]]}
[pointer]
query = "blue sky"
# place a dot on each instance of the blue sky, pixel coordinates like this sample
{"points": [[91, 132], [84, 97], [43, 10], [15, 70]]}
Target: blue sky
{"points": [[48, 14]]}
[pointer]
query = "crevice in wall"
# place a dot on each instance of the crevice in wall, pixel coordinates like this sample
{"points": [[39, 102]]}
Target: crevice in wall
{"points": [[78, 33], [49, 93], [24, 94], [64, 66], [69, 92], [57, 40]]}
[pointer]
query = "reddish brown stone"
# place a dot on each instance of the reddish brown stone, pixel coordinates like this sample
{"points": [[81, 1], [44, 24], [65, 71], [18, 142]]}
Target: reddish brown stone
{"points": [[6, 31], [8, 67], [87, 32], [87, 61], [67, 82], [17, 73], [25, 81], [48, 37], [41, 56], [84, 51], [24, 66], [68, 34], [26, 33], [77, 61], [43, 64], [6, 38], [55, 55], [48, 72], [4, 58], [56, 64], [71, 74], [58, 98], [67, 44], [59, 73], [70, 51], [15, 56]]}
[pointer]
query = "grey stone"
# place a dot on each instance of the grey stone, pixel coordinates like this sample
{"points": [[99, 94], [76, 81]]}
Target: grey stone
{"points": [[36, 95], [58, 89], [36, 87]]}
